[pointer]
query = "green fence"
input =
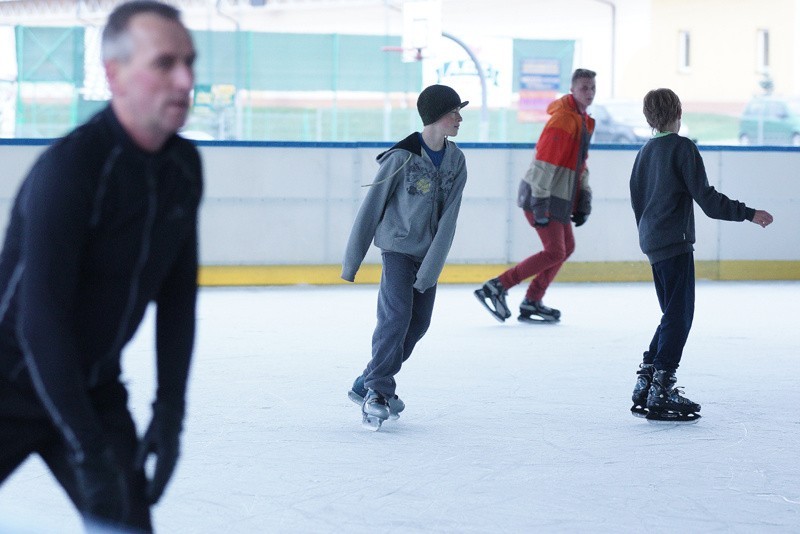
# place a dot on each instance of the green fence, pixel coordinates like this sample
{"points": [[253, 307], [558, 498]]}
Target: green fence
{"points": [[241, 75]]}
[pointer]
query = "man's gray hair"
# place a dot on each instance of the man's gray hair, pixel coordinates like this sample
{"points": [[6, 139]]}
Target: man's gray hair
{"points": [[116, 43]]}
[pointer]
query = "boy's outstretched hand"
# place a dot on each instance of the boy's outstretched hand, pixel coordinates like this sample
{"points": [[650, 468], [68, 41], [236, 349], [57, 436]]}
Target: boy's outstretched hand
{"points": [[762, 218]]}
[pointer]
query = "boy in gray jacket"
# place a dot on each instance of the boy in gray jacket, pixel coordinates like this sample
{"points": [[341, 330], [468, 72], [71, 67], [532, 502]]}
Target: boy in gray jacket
{"points": [[668, 177], [410, 211]]}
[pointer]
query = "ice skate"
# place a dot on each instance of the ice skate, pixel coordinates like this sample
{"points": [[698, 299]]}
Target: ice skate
{"points": [[533, 311], [493, 297], [666, 403], [396, 405], [640, 390], [359, 391], [374, 410]]}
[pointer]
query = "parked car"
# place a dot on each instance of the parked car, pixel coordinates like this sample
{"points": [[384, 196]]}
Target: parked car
{"points": [[622, 121], [769, 120], [619, 122]]}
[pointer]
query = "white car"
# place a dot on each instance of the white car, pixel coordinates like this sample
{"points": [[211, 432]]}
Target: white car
{"points": [[622, 121]]}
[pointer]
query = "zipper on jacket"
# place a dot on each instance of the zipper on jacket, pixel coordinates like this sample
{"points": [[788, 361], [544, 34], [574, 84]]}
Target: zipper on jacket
{"points": [[144, 254]]}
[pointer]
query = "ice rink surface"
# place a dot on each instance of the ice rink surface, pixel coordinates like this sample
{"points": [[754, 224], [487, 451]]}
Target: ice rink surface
{"points": [[508, 427]]}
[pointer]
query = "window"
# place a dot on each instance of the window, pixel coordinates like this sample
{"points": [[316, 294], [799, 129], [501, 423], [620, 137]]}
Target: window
{"points": [[684, 51], [755, 109], [776, 110], [762, 50]]}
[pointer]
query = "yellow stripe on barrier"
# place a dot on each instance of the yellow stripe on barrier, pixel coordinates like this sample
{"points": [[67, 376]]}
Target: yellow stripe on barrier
{"points": [[268, 275]]}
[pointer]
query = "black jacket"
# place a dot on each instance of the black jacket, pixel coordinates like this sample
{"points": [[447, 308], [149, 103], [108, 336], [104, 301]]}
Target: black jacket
{"points": [[668, 177], [99, 229]]}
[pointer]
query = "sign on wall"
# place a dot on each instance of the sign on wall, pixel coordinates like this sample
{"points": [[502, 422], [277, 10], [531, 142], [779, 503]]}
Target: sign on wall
{"points": [[539, 84]]}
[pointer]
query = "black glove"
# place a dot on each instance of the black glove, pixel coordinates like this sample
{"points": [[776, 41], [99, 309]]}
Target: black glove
{"points": [[162, 439], [579, 218], [541, 221], [102, 487]]}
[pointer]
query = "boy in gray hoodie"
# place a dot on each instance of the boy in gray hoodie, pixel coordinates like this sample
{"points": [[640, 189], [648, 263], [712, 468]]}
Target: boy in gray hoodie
{"points": [[668, 177], [410, 212]]}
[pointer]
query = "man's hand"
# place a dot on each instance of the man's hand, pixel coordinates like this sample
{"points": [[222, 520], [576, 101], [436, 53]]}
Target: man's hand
{"points": [[579, 218], [163, 440], [541, 221], [102, 487]]}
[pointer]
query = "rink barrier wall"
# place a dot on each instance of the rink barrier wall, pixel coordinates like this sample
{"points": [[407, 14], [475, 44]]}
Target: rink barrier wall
{"points": [[277, 213], [474, 274]]}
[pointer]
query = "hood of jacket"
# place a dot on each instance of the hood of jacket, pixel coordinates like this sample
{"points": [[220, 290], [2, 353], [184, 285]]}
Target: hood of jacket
{"points": [[409, 144], [565, 103]]}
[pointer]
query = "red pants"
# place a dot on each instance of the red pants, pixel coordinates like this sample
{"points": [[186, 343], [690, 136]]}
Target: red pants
{"points": [[559, 244]]}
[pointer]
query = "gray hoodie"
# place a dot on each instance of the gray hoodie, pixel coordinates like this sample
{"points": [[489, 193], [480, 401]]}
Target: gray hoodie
{"points": [[410, 208]]}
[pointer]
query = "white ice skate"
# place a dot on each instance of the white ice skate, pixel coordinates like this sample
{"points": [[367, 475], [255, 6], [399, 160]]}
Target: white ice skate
{"points": [[358, 392], [374, 411]]}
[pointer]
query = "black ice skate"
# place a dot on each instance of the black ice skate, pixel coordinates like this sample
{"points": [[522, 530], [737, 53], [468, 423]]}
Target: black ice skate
{"points": [[358, 392], [666, 403], [375, 410], [643, 380], [493, 297], [533, 311]]}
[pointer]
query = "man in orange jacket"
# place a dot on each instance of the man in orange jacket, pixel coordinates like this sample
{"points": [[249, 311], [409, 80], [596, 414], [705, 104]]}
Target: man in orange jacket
{"points": [[554, 191]]}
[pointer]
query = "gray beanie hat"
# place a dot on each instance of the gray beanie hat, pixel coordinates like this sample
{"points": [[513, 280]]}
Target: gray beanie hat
{"points": [[435, 101]]}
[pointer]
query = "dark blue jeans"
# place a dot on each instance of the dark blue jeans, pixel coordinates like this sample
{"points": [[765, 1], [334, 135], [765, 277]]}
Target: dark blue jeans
{"points": [[674, 281], [404, 315]]}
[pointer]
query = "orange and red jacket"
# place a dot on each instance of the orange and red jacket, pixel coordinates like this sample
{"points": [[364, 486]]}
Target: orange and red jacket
{"points": [[556, 184]]}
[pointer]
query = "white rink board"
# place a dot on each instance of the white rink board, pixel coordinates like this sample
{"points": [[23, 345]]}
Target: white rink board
{"points": [[294, 203]]}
